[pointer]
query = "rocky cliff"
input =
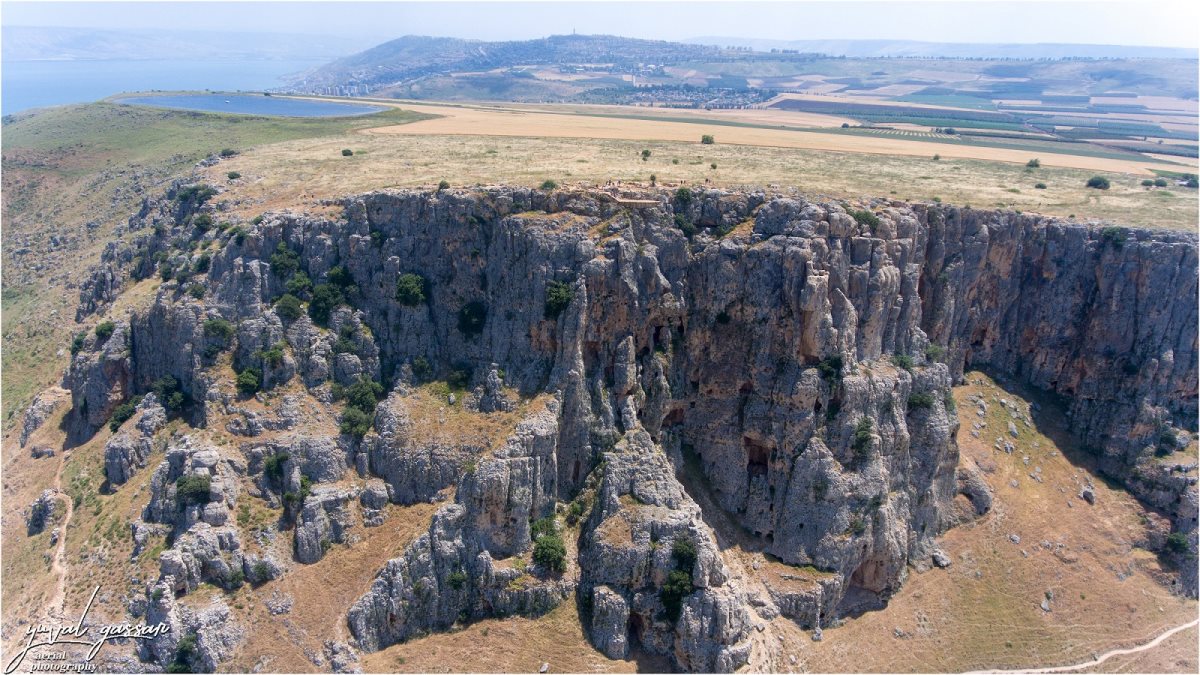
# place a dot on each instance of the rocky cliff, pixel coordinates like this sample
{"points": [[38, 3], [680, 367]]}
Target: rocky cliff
{"points": [[797, 356]]}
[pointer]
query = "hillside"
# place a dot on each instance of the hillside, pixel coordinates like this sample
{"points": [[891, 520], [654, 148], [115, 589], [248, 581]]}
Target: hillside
{"points": [[729, 412]]}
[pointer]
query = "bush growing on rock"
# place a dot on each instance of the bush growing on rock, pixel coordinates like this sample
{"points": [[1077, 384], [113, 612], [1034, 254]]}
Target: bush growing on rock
{"points": [[558, 297], [1113, 236], [123, 412], [677, 587], [550, 552], [903, 361], [166, 389], [410, 289], [683, 550], [77, 343], [457, 579], [288, 307], [549, 185], [920, 400], [219, 330], [831, 368], [689, 230], [284, 261], [864, 217], [862, 438], [195, 195], [192, 489], [248, 381], [273, 466], [203, 222], [299, 285], [104, 330], [325, 299], [364, 395], [184, 652], [1177, 542], [355, 423]]}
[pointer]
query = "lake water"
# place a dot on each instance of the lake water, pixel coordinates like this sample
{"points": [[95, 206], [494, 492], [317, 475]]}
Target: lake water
{"points": [[254, 104], [36, 84]]}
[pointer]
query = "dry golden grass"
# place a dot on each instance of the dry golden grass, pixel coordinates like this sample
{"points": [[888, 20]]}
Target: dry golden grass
{"points": [[514, 645], [984, 611], [322, 594], [297, 174], [484, 120]]}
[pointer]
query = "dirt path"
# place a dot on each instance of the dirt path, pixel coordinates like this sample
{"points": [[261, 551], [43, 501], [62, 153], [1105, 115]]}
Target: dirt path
{"points": [[1099, 659], [57, 607]]}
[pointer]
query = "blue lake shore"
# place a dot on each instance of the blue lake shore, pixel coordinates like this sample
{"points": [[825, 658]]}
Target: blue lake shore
{"points": [[252, 104]]}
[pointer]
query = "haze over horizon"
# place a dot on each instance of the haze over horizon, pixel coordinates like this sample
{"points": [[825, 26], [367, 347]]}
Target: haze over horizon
{"points": [[986, 22]]}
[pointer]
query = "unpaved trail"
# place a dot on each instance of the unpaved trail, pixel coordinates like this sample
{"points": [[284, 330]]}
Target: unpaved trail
{"points": [[1099, 659], [57, 607]]}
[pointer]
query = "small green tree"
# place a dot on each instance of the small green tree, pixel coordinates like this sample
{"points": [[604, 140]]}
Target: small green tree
{"points": [[1040, 186], [443, 185], [288, 307], [325, 299], [903, 361], [683, 550], [1177, 542], [192, 489], [104, 330], [410, 289], [920, 400], [284, 261], [558, 296], [707, 139], [355, 422], [550, 552], [1160, 182], [862, 437], [233, 175], [1098, 183], [248, 381], [347, 152], [677, 587], [1033, 163], [549, 185], [645, 155]]}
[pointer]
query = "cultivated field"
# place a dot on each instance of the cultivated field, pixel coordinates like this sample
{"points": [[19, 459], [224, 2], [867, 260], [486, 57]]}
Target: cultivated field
{"points": [[546, 123]]}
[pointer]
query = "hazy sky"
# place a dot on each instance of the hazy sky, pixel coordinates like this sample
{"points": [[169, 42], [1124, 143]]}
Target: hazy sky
{"points": [[1161, 23]]}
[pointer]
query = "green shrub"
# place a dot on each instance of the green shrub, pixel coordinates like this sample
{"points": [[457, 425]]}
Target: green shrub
{"points": [[1099, 183], [123, 412], [707, 139], [233, 175], [933, 352], [339, 276], [203, 222], [575, 512], [937, 158], [542, 527], [197, 291], [831, 368], [195, 195], [903, 361], [248, 381], [228, 152], [713, 166], [325, 299], [166, 389], [683, 196], [1177, 542], [472, 317], [1148, 183], [238, 235], [273, 466], [645, 155], [104, 330], [410, 289], [77, 343], [299, 285], [1033, 163], [1113, 236], [920, 400], [683, 550], [1160, 182], [284, 261], [235, 580], [364, 395], [219, 330], [421, 369], [681, 221], [549, 185], [288, 307], [443, 185], [192, 489], [1040, 186], [862, 437], [347, 152], [459, 378], [558, 296], [550, 552], [261, 571], [185, 651], [677, 587], [457, 579], [355, 422], [864, 217]]}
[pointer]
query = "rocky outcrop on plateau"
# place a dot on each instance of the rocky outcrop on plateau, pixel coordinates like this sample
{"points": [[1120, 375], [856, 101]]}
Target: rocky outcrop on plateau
{"points": [[798, 355]]}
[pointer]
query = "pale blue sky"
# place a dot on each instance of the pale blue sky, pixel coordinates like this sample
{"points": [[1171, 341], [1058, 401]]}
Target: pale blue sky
{"points": [[1161, 23]]}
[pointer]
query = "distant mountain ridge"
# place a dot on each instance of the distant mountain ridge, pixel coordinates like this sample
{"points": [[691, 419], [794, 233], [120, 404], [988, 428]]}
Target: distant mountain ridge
{"points": [[917, 48], [49, 43]]}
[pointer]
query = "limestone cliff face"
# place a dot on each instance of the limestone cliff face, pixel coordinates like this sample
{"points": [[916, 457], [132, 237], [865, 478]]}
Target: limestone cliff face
{"points": [[798, 358]]}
